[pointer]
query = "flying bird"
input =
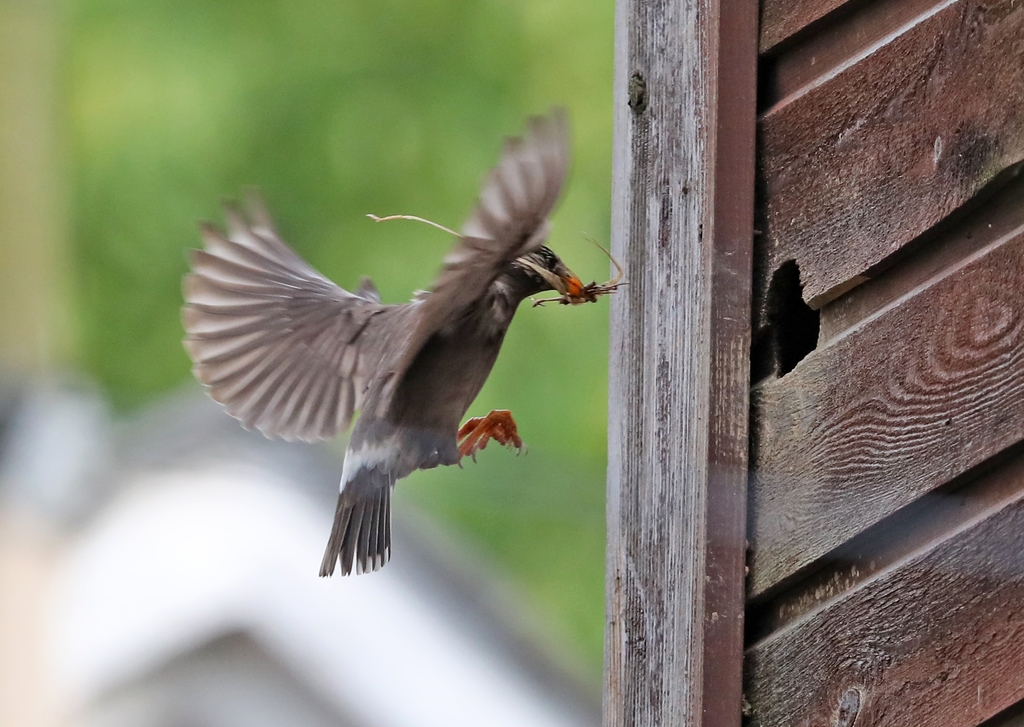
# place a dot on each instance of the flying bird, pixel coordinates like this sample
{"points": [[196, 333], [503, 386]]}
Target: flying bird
{"points": [[288, 352]]}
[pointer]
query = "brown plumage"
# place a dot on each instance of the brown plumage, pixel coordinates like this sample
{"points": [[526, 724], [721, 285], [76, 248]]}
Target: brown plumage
{"points": [[289, 353]]}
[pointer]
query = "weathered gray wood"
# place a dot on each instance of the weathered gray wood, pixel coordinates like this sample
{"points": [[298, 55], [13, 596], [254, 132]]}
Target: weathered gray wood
{"points": [[682, 223], [936, 640], [859, 163], [926, 388]]}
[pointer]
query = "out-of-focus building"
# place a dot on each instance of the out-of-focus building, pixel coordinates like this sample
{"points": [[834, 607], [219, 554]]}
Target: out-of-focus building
{"points": [[167, 577]]}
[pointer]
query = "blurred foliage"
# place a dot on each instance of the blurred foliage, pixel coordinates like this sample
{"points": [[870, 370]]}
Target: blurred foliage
{"points": [[338, 109]]}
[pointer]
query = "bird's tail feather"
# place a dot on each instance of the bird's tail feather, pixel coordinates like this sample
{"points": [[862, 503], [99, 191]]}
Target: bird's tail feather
{"points": [[361, 536]]}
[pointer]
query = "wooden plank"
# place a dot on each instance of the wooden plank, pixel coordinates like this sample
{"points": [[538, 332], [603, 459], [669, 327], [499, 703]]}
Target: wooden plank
{"points": [[887, 543], [781, 19], [924, 389], [729, 242], [817, 54], [999, 216], [862, 161], [936, 640], [682, 219]]}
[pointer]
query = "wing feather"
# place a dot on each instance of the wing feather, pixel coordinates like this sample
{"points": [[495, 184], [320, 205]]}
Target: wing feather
{"points": [[278, 344], [510, 219]]}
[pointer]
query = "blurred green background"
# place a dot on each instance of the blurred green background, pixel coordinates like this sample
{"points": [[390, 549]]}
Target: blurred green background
{"points": [[335, 110]]}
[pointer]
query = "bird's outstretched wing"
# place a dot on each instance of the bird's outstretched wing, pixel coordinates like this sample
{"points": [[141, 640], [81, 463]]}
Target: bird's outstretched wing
{"points": [[285, 350], [510, 219]]}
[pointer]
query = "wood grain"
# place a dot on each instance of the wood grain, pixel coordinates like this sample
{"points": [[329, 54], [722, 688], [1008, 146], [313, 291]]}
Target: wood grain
{"points": [[936, 640], [780, 19], [921, 391], [818, 52], [888, 542], [999, 216], [863, 160], [682, 218]]}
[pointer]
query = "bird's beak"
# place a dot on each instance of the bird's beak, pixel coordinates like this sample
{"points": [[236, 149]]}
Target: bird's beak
{"points": [[563, 280], [573, 285], [568, 283]]}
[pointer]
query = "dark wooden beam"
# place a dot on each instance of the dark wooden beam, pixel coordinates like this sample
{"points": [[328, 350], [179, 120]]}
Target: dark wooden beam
{"points": [[682, 216]]}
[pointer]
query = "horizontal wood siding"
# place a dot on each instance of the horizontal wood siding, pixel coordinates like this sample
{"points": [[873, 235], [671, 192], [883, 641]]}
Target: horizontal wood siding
{"points": [[909, 398], [819, 54], [886, 490], [935, 640], [780, 19], [862, 161]]}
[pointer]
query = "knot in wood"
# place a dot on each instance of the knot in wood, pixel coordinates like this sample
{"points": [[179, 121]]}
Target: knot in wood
{"points": [[637, 93], [849, 708]]}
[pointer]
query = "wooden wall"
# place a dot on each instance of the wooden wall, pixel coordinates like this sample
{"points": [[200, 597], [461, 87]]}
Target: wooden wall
{"points": [[886, 490]]}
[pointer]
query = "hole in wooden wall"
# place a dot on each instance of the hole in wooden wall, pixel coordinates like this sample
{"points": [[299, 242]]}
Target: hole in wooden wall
{"points": [[792, 324]]}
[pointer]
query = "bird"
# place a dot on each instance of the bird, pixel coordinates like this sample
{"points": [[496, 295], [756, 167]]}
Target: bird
{"points": [[291, 354]]}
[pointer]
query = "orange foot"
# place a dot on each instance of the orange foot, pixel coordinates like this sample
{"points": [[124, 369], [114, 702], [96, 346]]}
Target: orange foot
{"points": [[498, 425]]}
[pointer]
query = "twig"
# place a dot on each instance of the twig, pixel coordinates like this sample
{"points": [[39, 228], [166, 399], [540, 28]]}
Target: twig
{"points": [[414, 218]]}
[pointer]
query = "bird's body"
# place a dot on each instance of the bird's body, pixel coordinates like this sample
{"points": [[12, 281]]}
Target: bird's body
{"points": [[288, 352]]}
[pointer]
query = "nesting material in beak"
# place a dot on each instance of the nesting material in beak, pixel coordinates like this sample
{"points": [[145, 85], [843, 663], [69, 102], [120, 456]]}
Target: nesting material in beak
{"points": [[572, 290]]}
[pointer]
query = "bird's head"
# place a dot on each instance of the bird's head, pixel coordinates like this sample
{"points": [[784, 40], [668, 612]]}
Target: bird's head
{"points": [[546, 271]]}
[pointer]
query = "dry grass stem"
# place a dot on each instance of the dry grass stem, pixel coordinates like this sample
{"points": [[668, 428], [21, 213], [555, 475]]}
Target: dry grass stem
{"points": [[414, 218]]}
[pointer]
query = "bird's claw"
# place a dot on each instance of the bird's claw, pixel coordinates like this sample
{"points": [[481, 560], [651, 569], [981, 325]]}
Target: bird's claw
{"points": [[498, 425]]}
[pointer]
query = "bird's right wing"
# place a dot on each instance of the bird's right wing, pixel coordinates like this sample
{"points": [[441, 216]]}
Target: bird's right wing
{"points": [[510, 219], [285, 350]]}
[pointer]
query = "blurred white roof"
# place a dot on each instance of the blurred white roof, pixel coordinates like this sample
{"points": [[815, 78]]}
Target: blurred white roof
{"points": [[180, 557], [181, 531]]}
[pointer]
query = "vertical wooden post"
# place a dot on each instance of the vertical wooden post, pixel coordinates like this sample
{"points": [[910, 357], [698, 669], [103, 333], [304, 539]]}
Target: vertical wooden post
{"points": [[682, 216]]}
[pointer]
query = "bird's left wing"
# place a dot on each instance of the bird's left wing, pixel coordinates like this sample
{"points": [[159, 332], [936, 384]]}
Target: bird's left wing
{"points": [[285, 350]]}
